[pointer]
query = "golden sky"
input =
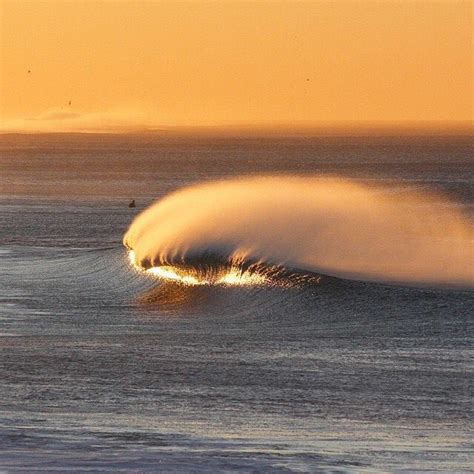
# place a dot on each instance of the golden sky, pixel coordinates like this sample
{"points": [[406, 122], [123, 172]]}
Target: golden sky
{"points": [[135, 64]]}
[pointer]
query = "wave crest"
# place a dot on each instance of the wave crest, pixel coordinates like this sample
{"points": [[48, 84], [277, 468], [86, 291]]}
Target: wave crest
{"points": [[332, 226]]}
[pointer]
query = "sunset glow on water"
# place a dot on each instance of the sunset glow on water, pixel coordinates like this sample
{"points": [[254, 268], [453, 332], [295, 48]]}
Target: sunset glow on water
{"points": [[225, 276]]}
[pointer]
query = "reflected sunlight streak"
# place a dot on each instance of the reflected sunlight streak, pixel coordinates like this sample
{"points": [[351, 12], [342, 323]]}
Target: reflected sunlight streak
{"points": [[233, 276]]}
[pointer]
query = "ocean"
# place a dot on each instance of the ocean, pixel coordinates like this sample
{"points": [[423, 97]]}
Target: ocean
{"points": [[103, 367]]}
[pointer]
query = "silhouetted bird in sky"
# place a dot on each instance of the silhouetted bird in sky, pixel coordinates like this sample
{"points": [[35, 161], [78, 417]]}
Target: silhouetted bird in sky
{"points": [[29, 71], [69, 103]]}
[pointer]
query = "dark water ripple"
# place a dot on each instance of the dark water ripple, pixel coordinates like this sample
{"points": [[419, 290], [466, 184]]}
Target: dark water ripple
{"points": [[104, 369]]}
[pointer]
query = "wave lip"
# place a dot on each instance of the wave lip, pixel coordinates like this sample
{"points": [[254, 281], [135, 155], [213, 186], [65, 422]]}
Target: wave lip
{"points": [[228, 274], [323, 225]]}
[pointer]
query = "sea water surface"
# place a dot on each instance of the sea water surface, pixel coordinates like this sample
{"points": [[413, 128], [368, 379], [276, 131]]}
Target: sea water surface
{"points": [[102, 368]]}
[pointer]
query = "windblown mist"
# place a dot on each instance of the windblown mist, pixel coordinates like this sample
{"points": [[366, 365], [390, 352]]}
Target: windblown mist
{"points": [[325, 225]]}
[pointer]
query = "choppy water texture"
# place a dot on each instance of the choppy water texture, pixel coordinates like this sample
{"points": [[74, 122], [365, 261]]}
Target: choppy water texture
{"points": [[103, 367]]}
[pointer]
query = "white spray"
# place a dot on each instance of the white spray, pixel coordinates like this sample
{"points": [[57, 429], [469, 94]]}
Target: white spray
{"points": [[325, 225]]}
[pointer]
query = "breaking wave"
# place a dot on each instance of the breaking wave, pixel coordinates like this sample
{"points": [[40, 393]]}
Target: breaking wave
{"points": [[245, 230]]}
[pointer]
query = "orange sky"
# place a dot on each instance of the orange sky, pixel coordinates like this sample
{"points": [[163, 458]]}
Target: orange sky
{"points": [[138, 64]]}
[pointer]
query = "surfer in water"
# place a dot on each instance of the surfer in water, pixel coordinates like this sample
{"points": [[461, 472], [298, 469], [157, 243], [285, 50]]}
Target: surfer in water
{"points": [[132, 203]]}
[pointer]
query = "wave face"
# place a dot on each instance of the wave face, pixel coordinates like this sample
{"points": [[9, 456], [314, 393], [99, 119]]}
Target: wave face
{"points": [[330, 226]]}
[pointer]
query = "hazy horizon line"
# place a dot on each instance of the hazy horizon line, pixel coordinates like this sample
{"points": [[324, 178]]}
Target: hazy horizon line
{"points": [[432, 127]]}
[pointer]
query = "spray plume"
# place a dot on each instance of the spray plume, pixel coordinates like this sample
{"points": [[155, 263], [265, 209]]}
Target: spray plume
{"points": [[329, 226]]}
